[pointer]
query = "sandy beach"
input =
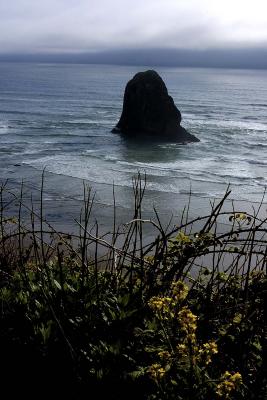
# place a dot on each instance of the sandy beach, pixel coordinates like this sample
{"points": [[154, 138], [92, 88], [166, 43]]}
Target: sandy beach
{"points": [[63, 200]]}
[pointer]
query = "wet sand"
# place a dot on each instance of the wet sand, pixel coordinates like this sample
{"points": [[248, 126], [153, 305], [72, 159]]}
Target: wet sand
{"points": [[63, 200]]}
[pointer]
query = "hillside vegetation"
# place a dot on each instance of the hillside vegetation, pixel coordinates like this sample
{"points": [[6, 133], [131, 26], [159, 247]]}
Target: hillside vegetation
{"points": [[183, 317]]}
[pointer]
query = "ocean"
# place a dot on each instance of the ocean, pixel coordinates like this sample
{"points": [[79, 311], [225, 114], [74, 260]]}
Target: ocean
{"points": [[59, 117]]}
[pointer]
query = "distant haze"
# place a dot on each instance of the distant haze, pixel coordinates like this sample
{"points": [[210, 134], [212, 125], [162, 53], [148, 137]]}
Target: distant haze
{"points": [[222, 58], [118, 31]]}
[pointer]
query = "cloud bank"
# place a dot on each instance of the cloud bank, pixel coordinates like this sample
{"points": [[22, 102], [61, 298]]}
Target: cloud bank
{"points": [[78, 26]]}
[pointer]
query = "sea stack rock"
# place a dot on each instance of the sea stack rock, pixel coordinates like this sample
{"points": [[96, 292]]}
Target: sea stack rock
{"points": [[148, 111]]}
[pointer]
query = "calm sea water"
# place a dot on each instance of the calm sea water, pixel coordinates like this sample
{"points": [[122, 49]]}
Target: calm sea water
{"points": [[60, 117]]}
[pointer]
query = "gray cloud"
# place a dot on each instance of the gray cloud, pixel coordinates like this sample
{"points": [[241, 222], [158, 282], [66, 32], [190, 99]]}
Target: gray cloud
{"points": [[90, 25]]}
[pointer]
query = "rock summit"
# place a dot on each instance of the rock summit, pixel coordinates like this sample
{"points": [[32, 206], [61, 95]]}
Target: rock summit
{"points": [[149, 111]]}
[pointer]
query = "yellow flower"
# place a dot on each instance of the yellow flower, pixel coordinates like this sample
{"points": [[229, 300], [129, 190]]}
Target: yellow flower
{"points": [[182, 237], [164, 355], [191, 338], [206, 351], [150, 259], [182, 349], [237, 377], [179, 290], [156, 371], [237, 318], [229, 383], [161, 306], [187, 321], [240, 216], [211, 347]]}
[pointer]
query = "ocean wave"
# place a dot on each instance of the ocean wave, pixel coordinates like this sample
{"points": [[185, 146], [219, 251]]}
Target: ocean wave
{"points": [[74, 134], [230, 124], [101, 179], [98, 154], [243, 158], [257, 104], [61, 125], [257, 162], [4, 129], [179, 170], [154, 187], [101, 174], [19, 112], [258, 145], [86, 122]]}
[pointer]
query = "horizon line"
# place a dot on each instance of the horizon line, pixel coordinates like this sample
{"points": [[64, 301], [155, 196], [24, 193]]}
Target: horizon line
{"points": [[238, 58]]}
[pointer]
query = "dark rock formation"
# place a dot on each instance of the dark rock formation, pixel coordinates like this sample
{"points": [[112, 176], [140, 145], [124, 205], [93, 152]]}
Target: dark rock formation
{"points": [[148, 110]]}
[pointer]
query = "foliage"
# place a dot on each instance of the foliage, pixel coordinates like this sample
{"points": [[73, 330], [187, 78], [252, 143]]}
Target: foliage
{"points": [[147, 322]]}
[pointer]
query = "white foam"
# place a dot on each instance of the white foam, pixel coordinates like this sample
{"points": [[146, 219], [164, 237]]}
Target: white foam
{"points": [[4, 128], [241, 125]]}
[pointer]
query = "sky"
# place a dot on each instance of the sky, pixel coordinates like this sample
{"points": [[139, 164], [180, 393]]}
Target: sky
{"points": [[219, 33], [78, 26]]}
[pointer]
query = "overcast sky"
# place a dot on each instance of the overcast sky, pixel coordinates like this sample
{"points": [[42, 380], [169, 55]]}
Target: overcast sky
{"points": [[29, 26]]}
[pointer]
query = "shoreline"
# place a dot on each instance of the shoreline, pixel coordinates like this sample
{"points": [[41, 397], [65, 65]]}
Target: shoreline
{"points": [[61, 210], [70, 195]]}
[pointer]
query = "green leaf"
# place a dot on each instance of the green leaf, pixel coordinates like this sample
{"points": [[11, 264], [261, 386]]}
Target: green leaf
{"points": [[57, 284], [136, 374], [69, 287]]}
